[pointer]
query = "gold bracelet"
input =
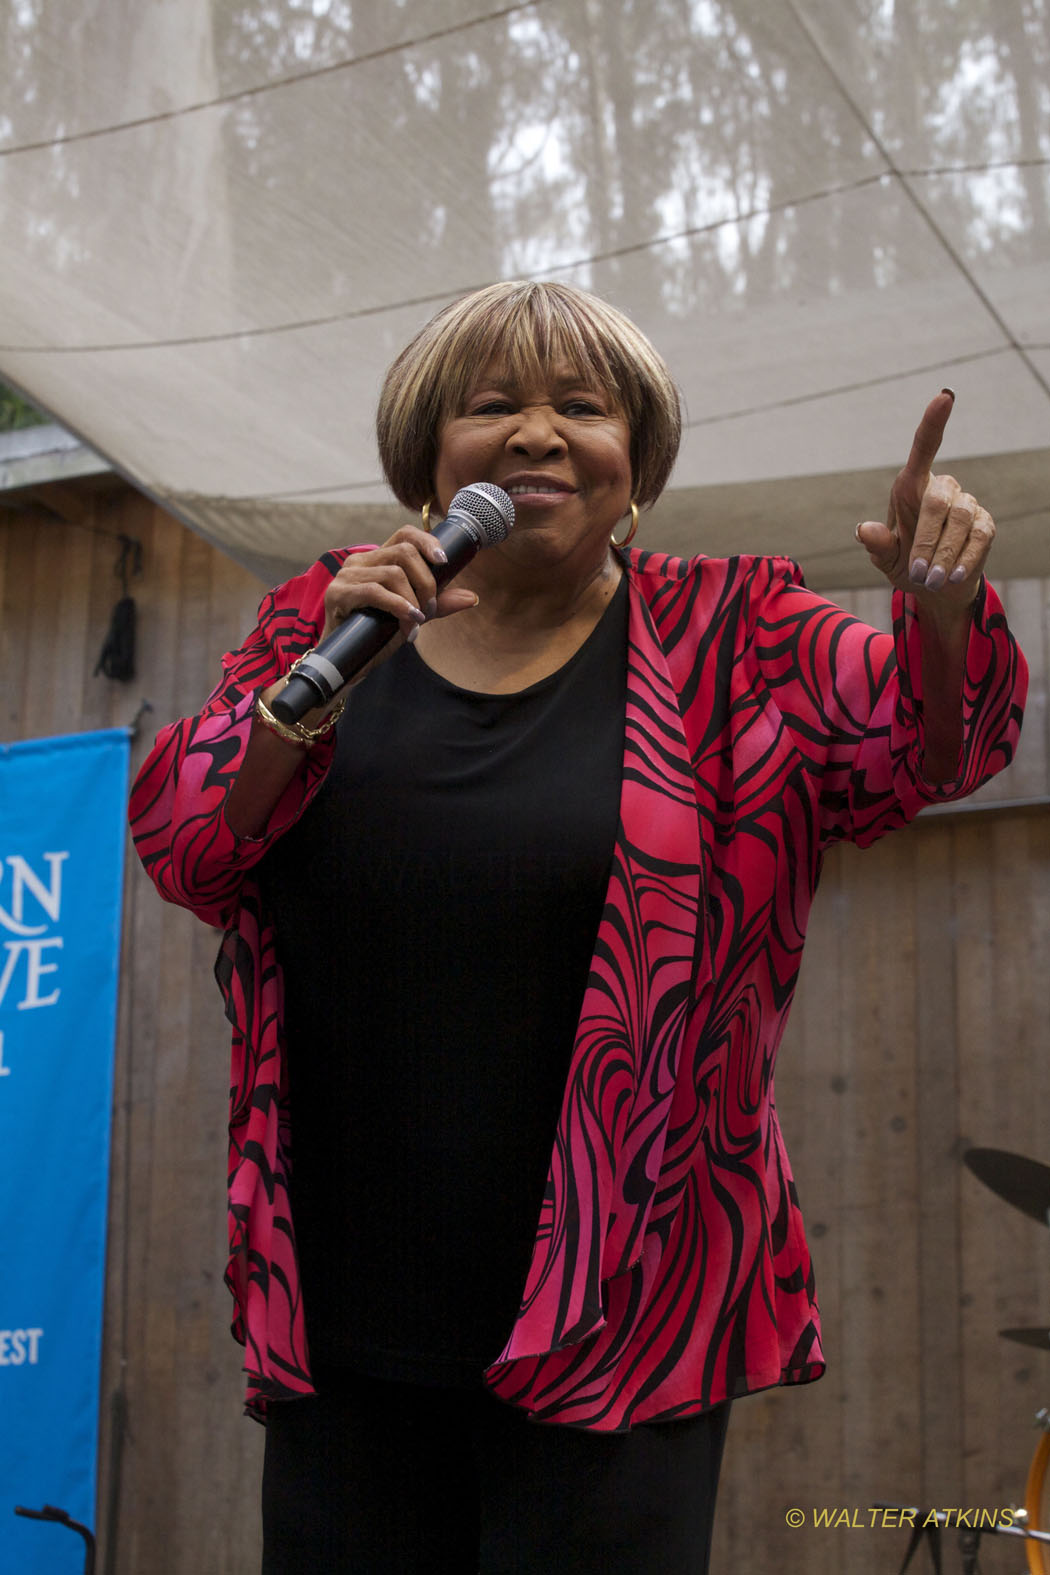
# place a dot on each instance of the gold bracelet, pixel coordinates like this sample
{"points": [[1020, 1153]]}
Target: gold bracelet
{"points": [[298, 732]]}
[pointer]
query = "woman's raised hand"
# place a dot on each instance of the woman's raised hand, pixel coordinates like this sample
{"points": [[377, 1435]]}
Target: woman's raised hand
{"points": [[395, 578], [936, 536]]}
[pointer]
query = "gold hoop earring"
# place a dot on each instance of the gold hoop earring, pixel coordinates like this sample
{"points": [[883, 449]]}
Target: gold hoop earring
{"points": [[630, 534], [424, 515]]}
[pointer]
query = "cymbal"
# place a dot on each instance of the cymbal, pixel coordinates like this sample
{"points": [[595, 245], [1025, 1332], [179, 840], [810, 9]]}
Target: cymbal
{"points": [[1036, 1337], [1023, 1182]]}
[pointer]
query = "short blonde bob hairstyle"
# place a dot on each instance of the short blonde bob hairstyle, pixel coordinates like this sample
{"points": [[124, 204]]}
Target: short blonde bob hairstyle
{"points": [[527, 327]]}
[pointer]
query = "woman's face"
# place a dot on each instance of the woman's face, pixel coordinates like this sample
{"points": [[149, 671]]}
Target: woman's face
{"points": [[562, 451]]}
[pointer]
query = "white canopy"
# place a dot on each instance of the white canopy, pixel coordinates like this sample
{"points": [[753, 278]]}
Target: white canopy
{"points": [[221, 219]]}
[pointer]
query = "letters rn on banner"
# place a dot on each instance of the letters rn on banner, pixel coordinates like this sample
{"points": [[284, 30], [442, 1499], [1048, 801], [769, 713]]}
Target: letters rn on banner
{"points": [[62, 809]]}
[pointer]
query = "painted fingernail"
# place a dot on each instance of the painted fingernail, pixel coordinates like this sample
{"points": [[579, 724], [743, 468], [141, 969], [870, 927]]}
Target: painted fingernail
{"points": [[950, 391], [935, 578], [417, 614], [918, 571], [412, 635], [438, 554], [957, 574], [432, 607]]}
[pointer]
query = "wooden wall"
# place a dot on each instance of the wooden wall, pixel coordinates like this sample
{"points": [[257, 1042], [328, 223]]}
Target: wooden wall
{"points": [[920, 1028], [179, 1465]]}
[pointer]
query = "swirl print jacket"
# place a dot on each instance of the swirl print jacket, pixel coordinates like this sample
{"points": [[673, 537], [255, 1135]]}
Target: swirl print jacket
{"points": [[670, 1269]]}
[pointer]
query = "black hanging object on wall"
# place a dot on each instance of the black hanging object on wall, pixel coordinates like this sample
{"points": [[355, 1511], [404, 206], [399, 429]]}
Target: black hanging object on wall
{"points": [[117, 657]]}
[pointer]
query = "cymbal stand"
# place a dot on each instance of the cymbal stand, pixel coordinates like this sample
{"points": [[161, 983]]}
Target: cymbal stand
{"points": [[925, 1520]]}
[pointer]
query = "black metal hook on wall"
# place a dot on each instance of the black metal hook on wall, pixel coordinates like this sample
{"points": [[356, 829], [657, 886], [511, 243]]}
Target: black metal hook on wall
{"points": [[117, 657]]}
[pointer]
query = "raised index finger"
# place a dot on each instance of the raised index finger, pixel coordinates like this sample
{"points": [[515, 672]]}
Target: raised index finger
{"points": [[929, 435]]}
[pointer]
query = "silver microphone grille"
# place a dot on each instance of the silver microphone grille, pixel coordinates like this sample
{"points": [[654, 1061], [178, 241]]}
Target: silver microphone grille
{"points": [[488, 506]]}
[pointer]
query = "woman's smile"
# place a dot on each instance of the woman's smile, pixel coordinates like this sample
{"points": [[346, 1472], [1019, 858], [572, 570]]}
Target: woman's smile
{"points": [[539, 490]]}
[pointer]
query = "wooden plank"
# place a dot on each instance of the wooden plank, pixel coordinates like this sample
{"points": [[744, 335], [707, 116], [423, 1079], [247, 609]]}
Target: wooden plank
{"points": [[127, 1545], [937, 1135], [42, 672], [69, 572], [880, 1247], [184, 1482], [812, 1085], [12, 647], [1017, 1047], [992, 1463], [218, 1451], [99, 597]]}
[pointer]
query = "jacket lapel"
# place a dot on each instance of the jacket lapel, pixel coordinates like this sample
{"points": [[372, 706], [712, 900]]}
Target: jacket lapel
{"points": [[649, 963]]}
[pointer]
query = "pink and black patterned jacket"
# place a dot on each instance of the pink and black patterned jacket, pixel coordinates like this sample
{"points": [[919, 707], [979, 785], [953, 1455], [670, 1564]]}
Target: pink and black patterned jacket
{"points": [[763, 724]]}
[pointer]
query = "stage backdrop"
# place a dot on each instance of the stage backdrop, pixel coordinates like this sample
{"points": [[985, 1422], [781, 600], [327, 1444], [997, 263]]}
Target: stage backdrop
{"points": [[62, 817]]}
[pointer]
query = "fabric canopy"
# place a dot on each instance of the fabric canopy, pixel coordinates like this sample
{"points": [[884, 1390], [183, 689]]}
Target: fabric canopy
{"points": [[223, 218]]}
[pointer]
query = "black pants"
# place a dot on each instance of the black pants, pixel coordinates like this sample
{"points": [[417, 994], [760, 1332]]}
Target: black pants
{"points": [[377, 1478]]}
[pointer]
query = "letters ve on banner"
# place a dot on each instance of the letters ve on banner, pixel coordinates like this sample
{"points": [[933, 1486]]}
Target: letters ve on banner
{"points": [[62, 806]]}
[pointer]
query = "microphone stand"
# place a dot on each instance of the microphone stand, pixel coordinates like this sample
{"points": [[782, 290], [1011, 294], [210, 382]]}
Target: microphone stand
{"points": [[969, 1536]]}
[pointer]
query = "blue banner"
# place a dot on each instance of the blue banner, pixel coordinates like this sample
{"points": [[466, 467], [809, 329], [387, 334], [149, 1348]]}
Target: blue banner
{"points": [[62, 820]]}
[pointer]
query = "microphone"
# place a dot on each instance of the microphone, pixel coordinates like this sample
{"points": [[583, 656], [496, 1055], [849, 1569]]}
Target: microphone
{"points": [[480, 515]]}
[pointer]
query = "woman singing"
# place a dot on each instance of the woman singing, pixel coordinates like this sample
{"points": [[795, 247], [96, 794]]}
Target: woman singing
{"points": [[512, 930]]}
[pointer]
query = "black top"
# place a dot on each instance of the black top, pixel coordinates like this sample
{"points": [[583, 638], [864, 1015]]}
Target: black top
{"points": [[436, 909]]}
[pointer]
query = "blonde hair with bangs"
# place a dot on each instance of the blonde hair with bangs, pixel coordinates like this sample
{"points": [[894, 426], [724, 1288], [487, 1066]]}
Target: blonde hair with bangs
{"points": [[528, 327]]}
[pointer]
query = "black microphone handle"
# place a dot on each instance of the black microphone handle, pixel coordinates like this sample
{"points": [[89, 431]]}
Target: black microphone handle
{"points": [[343, 653]]}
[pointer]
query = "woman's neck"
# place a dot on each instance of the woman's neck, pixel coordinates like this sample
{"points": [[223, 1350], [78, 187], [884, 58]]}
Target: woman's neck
{"points": [[527, 624]]}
